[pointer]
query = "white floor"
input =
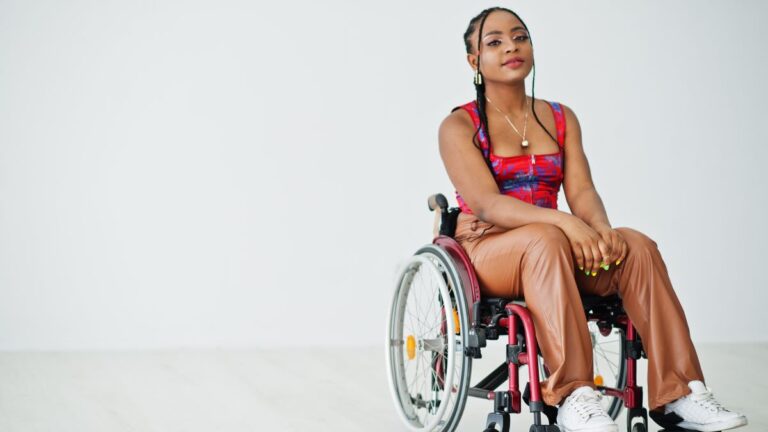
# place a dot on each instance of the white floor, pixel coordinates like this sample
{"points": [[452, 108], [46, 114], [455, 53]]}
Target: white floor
{"points": [[341, 389]]}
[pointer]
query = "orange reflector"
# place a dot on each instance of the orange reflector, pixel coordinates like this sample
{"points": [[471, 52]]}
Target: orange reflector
{"points": [[598, 380], [410, 347], [456, 325]]}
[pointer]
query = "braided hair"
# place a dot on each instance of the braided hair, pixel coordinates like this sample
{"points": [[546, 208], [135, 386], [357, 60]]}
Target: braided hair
{"points": [[474, 23]]}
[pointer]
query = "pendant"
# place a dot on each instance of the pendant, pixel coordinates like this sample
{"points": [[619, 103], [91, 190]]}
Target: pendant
{"points": [[525, 143]]}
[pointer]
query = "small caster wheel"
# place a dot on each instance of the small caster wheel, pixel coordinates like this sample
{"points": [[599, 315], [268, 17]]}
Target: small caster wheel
{"points": [[638, 427]]}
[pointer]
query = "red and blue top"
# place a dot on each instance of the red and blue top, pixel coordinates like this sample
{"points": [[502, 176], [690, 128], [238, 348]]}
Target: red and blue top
{"points": [[533, 178]]}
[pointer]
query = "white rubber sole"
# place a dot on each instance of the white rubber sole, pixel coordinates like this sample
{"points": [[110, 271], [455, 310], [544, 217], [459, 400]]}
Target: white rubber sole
{"points": [[717, 426], [603, 428]]}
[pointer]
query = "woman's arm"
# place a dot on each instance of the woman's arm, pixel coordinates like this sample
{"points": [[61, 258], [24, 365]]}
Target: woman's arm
{"points": [[473, 180], [582, 197], [580, 192]]}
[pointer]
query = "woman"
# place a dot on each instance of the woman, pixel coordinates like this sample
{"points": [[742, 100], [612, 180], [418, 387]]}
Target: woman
{"points": [[523, 247]]}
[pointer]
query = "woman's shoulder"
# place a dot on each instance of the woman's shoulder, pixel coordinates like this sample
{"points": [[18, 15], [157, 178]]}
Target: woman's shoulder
{"points": [[559, 107], [550, 105], [457, 128], [459, 118]]}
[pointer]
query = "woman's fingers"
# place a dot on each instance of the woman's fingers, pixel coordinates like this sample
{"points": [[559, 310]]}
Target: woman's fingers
{"points": [[589, 259], [615, 248], [597, 257], [578, 254], [605, 251], [624, 250], [592, 249]]}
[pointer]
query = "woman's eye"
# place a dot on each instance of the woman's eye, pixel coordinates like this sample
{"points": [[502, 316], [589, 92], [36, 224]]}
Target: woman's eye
{"points": [[520, 38]]}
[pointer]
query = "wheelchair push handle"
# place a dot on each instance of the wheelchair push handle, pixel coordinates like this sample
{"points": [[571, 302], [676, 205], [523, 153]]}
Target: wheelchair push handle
{"points": [[437, 200], [445, 218]]}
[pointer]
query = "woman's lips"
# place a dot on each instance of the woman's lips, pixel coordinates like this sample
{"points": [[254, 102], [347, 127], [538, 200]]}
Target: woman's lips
{"points": [[514, 64]]}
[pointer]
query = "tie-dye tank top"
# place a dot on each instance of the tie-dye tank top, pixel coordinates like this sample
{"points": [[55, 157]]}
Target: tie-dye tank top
{"points": [[532, 178]]}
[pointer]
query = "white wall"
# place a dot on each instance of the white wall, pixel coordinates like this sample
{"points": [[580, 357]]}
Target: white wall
{"points": [[238, 174]]}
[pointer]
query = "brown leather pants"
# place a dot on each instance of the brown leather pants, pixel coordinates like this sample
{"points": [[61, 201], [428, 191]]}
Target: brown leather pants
{"points": [[534, 262]]}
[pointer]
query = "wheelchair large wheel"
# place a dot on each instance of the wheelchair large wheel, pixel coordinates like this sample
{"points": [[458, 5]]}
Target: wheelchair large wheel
{"points": [[426, 334], [608, 363]]}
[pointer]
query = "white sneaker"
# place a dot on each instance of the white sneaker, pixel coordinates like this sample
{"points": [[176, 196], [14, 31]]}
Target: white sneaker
{"points": [[582, 412], [700, 411]]}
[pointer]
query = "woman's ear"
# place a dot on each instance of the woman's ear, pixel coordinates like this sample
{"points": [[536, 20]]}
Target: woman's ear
{"points": [[472, 60]]}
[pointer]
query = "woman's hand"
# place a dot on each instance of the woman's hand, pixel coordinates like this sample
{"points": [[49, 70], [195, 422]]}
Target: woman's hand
{"points": [[616, 244], [588, 246]]}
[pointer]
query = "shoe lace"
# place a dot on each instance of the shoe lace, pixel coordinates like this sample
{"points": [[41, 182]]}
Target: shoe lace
{"points": [[707, 400], [588, 405]]}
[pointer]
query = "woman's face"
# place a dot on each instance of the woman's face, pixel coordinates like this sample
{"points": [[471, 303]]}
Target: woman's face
{"points": [[504, 41]]}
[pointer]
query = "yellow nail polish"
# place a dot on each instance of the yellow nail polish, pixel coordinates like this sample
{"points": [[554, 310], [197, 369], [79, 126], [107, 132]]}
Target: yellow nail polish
{"points": [[618, 262], [594, 273]]}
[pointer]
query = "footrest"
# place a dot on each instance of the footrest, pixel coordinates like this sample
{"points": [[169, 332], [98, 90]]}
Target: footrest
{"points": [[633, 413], [544, 428], [668, 421]]}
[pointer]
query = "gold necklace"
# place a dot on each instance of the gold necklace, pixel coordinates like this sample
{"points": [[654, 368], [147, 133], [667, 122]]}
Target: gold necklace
{"points": [[525, 123]]}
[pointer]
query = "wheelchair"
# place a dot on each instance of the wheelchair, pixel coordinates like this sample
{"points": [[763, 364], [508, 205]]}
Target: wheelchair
{"points": [[439, 323]]}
